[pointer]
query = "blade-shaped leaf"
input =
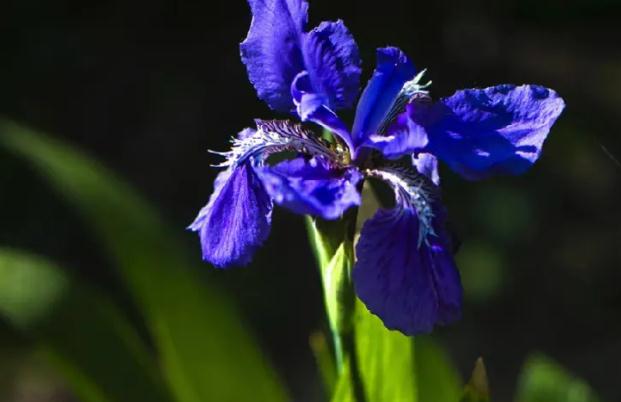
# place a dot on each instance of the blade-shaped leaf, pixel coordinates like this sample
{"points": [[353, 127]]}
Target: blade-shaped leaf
{"points": [[386, 360], [394, 367], [88, 339], [543, 380], [206, 351]]}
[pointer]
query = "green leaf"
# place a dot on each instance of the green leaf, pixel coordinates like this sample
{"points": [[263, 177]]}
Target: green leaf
{"points": [[85, 336], [332, 244], [386, 360], [379, 364], [204, 348], [543, 380], [477, 389], [437, 377], [324, 360], [394, 367]]}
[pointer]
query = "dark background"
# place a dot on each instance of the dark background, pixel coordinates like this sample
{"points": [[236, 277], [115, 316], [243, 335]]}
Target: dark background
{"points": [[148, 87]]}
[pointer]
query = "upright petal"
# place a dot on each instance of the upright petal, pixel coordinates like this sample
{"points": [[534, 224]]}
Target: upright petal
{"points": [[237, 219], [311, 106], [501, 129], [272, 50], [405, 272], [312, 186], [404, 137], [333, 63], [393, 70]]}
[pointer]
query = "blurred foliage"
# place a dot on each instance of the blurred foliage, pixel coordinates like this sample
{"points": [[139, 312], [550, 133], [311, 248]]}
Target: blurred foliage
{"points": [[543, 380], [196, 348], [477, 389], [86, 337], [203, 347]]}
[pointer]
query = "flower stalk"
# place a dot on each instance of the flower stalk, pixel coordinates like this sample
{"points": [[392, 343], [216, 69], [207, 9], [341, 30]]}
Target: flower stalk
{"points": [[333, 245]]}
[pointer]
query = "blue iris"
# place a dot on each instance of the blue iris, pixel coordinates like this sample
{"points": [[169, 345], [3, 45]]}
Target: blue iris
{"points": [[404, 272]]}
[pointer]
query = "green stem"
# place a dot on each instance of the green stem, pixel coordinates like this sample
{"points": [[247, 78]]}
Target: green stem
{"points": [[332, 242]]}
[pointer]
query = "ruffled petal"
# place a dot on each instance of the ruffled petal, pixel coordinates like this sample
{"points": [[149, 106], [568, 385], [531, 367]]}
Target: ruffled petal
{"points": [[411, 287], [312, 186], [237, 219], [496, 130], [333, 63], [393, 70], [272, 50]]}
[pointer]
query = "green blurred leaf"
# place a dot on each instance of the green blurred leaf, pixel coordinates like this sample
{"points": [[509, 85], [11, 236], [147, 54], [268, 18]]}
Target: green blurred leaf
{"points": [[205, 350], [477, 389], [437, 377], [543, 380], [87, 338], [324, 360]]}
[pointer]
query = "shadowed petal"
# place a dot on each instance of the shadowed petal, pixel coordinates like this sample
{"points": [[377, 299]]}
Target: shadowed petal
{"points": [[312, 107], [427, 165], [237, 219], [412, 287], [312, 186], [333, 63], [501, 129], [405, 272], [403, 137], [272, 50], [393, 70]]}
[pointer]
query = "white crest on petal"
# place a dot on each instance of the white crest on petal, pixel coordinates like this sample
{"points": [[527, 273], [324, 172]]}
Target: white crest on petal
{"points": [[273, 136], [412, 191], [410, 90]]}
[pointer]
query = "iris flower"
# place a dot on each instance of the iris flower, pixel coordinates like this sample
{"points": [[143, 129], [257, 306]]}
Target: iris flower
{"points": [[404, 270]]}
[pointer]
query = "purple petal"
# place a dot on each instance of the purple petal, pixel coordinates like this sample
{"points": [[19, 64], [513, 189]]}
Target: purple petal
{"points": [[403, 137], [501, 129], [333, 63], [272, 50], [427, 165], [392, 71], [412, 287], [312, 107], [312, 187], [237, 219]]}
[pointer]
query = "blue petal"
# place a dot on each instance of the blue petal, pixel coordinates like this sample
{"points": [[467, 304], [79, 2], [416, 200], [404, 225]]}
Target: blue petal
{"points": [[411, 287], [403, 137], [501, 129], [333, 63], [237, 219], [272, 50], [312, 187], [392, 71], [312, 107], [427, 165]]}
